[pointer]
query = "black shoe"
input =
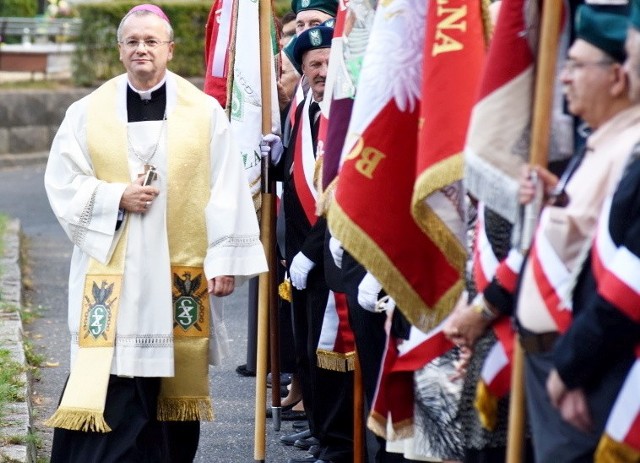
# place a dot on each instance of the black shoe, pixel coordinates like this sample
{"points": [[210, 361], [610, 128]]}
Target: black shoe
{"points": [[305, 459], [315, 450], [291, 438], [242, 370], [300, 425], [286, 408], [293, 415], [306, 443]]}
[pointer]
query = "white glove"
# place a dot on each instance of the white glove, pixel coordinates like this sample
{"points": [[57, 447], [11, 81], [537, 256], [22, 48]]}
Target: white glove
{"points": [[335, 246], [271, 143], [368, 291], [299, 270]]}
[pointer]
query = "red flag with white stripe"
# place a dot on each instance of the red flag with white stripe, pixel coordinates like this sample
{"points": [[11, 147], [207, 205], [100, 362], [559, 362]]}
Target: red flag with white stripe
{"points": [[218, 38], [498, 139], [394, 398]]}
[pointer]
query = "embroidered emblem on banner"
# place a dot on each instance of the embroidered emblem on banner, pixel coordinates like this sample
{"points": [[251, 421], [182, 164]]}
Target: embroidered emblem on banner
{"points": [[99, 310], [190, 303], [237, 104], [315, 38]]}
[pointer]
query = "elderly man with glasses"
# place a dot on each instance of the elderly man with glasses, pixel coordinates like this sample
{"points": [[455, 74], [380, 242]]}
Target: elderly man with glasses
{"points": [[550, 293]]}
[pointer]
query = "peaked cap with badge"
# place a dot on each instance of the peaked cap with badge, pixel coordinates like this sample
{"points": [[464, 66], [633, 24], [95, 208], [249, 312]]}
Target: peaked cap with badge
{"points": [[326, 6], [311, 39]]}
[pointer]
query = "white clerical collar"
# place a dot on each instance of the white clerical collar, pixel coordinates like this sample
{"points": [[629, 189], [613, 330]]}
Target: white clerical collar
{"points": [[146, 94]]}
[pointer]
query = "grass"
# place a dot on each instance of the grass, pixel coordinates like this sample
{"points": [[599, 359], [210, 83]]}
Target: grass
{"points": [[14, 374]]}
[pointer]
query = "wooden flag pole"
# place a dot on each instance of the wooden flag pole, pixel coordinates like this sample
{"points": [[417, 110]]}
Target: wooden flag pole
{"points": [[267, 237], [358, 413], [541, 126]]}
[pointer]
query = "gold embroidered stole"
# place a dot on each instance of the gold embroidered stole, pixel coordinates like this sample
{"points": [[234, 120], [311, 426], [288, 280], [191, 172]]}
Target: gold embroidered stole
{"points": [[186, 395]]}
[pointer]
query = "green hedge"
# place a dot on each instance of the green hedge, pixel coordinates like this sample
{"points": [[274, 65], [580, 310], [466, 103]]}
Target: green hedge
{"points": [[96, 58], [26, 8]]}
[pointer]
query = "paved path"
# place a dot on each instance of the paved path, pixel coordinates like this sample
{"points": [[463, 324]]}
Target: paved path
{"points": [[229, 439]]}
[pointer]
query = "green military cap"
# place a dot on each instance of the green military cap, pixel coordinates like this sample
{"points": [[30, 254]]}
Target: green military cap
{"points": [[311, 39], [604, 27], [634, 18], [327, 6]]}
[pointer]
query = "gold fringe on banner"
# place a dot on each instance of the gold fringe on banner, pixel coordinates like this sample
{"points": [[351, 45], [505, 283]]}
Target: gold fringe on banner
{"points": [[367, 251], [336, 361], [612, 451], [487, 406]]}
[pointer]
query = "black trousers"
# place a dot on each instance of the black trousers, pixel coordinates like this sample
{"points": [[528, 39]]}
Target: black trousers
{"points": [[371, 338], [136, 437], [327, 395]]}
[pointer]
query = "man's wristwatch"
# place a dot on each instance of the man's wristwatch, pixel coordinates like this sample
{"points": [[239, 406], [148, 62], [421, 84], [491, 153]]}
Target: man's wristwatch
{"points": [[479, 305]]}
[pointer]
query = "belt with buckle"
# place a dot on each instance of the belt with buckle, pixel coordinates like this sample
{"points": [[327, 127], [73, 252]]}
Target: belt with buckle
{"points": [[533, 343]]}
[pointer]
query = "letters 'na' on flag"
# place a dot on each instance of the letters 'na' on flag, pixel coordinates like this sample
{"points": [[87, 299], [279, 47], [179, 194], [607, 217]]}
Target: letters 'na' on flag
{"points": [[455, 43], [498, 139], [371, 214], [234, 52]]}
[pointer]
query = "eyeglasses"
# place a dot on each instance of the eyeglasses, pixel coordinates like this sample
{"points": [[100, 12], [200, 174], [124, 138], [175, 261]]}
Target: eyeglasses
{"points": [[149, 44], [571, 65]]}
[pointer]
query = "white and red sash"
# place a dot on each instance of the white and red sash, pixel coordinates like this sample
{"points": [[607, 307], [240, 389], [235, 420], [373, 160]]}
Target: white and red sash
{"points": [[304, 164], [298, 96], [336, 348], [486, 265], [616, 271], [553, 278], [495, 378]]}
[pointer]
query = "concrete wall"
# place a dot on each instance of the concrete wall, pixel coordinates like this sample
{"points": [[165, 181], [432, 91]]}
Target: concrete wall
{"points": [[29, 119]]}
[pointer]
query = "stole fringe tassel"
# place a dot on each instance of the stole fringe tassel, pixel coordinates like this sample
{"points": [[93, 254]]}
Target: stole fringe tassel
{"points": [[78, 419], [185, 409], [336, 361], [487, 405]]}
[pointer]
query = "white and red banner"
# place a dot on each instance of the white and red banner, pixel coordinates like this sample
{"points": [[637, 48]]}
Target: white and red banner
{"points": [[498, 139], [394, 400], [420, 268], [233, 77]]}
